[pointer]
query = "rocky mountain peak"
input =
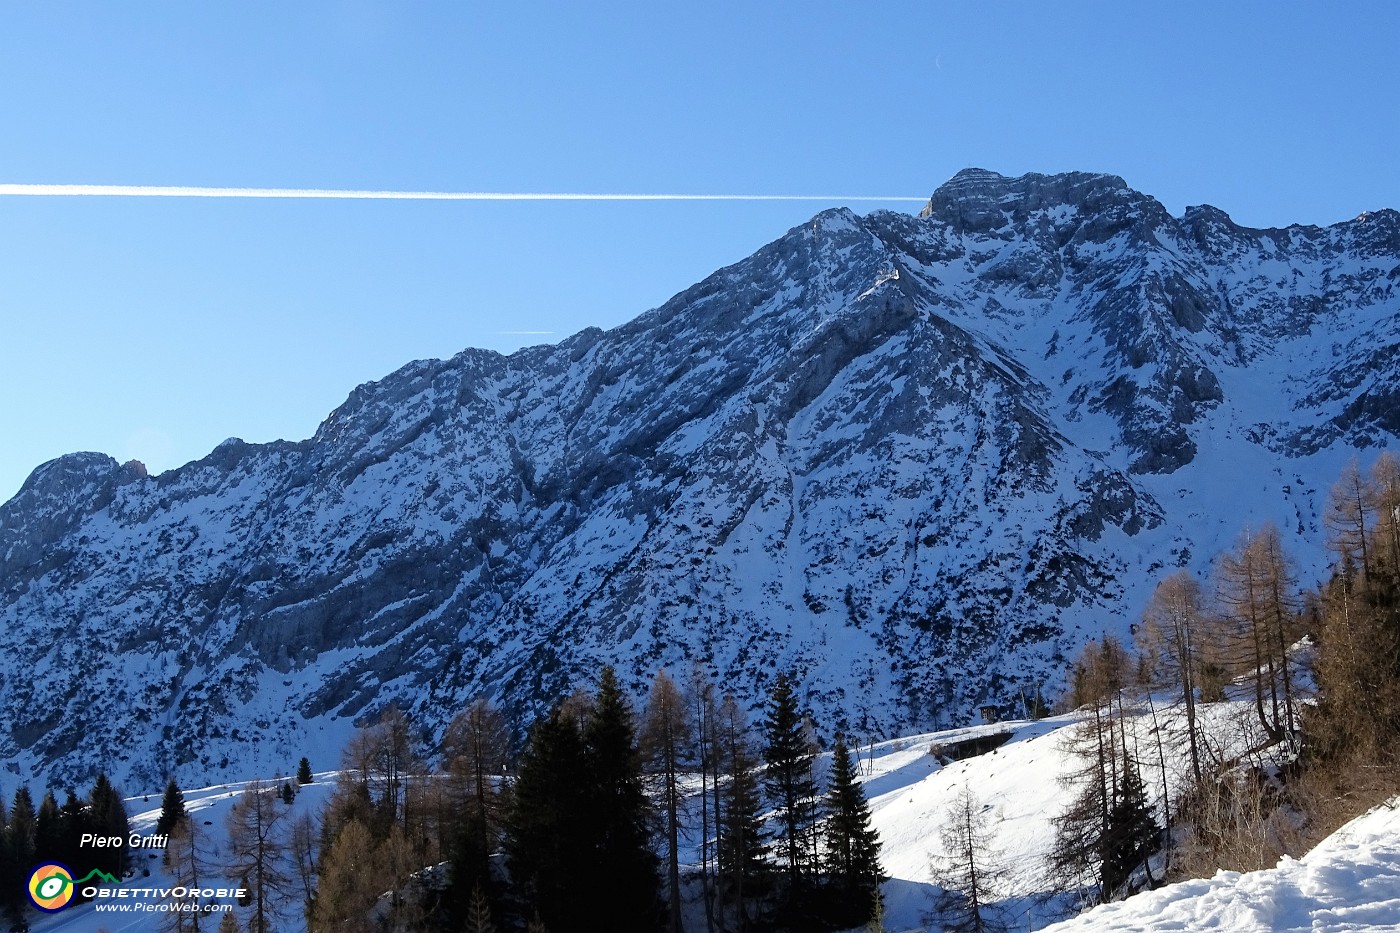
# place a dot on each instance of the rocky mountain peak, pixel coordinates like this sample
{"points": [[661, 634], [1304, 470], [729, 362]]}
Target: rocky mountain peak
{"points": [[914, 463], [979, 200]]}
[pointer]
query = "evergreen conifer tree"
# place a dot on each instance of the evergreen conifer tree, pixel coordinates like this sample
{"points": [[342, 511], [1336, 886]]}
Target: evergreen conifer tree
{"points": [[18, 843], [10, 880], [479, 914], [788, 780], [853, 846], [107, 817], [48, 843], [740, 844], [172, 808], [304, 775], [547, 838], [621, 814], [579, 837], [1131, 832], [74, 820]]}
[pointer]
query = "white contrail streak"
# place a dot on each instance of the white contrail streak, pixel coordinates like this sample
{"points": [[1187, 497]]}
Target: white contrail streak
{"points": [[172, 191]]}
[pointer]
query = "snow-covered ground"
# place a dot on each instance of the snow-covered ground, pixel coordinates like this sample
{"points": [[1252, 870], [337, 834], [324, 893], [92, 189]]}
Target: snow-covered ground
{"points": [[142, 907], [910, 793], [1351, 882]]}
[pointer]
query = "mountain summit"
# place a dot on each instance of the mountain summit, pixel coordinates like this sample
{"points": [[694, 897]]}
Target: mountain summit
{"points": [[914, 461]]}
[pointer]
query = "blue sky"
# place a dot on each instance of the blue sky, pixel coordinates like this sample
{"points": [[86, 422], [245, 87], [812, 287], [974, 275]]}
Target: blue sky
{"points": [[155, 329]]}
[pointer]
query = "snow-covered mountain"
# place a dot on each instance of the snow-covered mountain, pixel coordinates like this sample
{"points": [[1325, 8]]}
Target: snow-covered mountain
{"points": [[915, 460]]}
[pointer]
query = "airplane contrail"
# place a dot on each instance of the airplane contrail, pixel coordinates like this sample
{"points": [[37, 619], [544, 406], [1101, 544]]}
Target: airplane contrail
{"points": [[182, 191]]}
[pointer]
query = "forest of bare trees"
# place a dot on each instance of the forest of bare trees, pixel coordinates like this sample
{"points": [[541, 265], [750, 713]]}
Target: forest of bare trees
{"points": [[568, 824], [1318, 671]]}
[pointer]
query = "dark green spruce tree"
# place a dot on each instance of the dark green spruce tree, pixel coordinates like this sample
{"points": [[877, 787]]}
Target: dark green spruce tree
{"points": [[58, 832], [1130, 833], [546, 831], [10, 880], [19, 844], [48, 831], [107, 817], [788, 779], [304, 775], [740, 845], [852, 844], [578, 836], [620, 814], [172, 808]]}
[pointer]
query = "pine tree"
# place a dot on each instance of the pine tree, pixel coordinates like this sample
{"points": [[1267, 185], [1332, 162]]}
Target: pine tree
{"points": [[48, 831], [620, 812], [107, 817], [579, 838], [853, 845], [228, 923], [10, 880], [740, 844], [1131, 833], [547, 840], [172, 808], [788, 779], [19, 844], [304, 775]]}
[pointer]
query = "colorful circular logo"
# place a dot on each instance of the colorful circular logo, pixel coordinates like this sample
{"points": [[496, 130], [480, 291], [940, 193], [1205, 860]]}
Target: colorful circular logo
{"points": [[51, 886]]}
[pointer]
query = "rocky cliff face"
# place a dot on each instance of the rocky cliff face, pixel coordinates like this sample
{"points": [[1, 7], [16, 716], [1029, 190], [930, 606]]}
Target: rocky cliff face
{"points": [[915, 460]]}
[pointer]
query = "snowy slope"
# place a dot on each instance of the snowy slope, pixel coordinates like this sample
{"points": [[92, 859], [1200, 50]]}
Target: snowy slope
{"points": [[1350, 883], [913, 461], [910, 795], [209, 807]]}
